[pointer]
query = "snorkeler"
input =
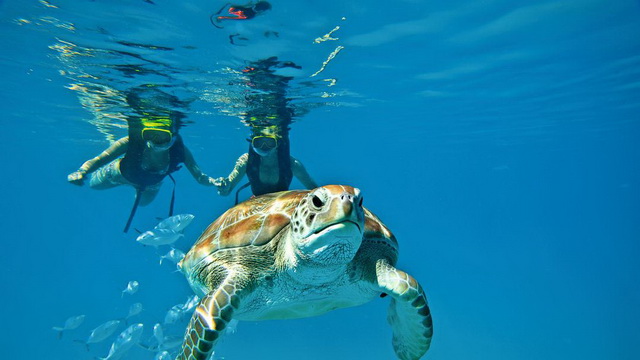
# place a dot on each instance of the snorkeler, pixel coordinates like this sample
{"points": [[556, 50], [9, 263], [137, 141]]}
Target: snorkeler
{"points": [[268, 165], [152, 151], [240, 12]]}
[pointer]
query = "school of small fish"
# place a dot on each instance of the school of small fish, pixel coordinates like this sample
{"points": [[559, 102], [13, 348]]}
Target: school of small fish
{"points": [[166, 232], [161, 344]]}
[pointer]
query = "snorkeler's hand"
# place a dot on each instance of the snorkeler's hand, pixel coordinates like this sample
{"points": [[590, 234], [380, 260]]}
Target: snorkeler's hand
{"points": [[223, 186], [210, 181], [76, 178]]}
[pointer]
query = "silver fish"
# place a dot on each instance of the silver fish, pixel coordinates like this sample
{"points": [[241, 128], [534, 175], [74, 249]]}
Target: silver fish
{"points": [[176, 223], [158, 334], [161, 342], [128, 338], [72, 323], [132, 288], [162, 355], [178, 311], [190, 304], [174, 255], [103, 331], [170, 342], [173, 315], [157, 237], [232, 327], [134, 310], [166, 343]]}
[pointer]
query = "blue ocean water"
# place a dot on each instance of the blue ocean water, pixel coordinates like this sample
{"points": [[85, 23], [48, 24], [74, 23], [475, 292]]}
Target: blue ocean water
{"points": [[497, 139]]}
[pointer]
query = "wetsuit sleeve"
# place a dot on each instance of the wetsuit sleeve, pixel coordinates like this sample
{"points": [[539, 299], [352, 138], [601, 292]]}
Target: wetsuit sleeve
{"points": [[301, 174], [238, 172], [114, 151], [194, 169]]}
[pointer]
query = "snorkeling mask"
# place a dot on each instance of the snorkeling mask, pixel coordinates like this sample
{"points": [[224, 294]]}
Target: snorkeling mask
{"points": [[158, 139], [156, 134], [264, 144]]}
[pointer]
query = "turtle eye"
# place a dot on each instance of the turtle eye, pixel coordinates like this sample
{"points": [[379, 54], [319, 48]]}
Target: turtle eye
{"points": [[317, 202]]}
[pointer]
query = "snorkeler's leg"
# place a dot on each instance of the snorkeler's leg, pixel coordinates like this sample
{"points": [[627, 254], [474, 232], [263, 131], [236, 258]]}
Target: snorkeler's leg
{"points": [[108, 176]]}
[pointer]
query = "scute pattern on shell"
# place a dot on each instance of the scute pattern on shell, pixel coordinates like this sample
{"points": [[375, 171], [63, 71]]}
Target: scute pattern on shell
{"points": [[253, 222]]}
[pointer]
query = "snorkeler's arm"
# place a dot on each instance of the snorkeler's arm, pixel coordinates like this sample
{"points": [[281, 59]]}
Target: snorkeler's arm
{"points": [[227, 184], [116, 149], [195, 171], [301, 173]]}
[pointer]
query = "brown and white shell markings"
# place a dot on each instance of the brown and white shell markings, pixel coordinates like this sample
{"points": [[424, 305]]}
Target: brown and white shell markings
{"points": [[298, 254]]}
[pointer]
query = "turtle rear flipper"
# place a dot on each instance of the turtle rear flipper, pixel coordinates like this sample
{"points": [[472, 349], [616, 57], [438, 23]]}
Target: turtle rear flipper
{"points": [[210, 318], [409, 314]]}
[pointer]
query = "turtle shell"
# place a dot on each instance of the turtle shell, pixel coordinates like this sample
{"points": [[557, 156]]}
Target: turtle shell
{"points": [[256, 221]]}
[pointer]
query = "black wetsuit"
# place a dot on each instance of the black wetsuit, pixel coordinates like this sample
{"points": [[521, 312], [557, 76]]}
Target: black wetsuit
{"points": [[285, 174], [131, 165]]}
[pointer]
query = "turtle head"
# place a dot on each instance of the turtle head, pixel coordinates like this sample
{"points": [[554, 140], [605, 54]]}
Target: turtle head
{"points": [[328, 224]]}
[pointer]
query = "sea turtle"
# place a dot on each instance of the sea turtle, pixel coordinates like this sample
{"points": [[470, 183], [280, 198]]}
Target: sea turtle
{"points": [[296, 254]]}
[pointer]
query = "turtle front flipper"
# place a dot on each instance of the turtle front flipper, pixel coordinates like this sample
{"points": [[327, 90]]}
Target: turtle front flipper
{"points": [[209, 319], [409, 313]]}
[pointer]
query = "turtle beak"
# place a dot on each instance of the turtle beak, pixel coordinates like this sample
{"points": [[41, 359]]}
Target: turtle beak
{"points": [[351, 207], [339, 222]]}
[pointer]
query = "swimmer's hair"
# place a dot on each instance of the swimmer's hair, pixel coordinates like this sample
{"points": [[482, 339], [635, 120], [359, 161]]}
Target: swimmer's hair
{"points": [[262, 6]]}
